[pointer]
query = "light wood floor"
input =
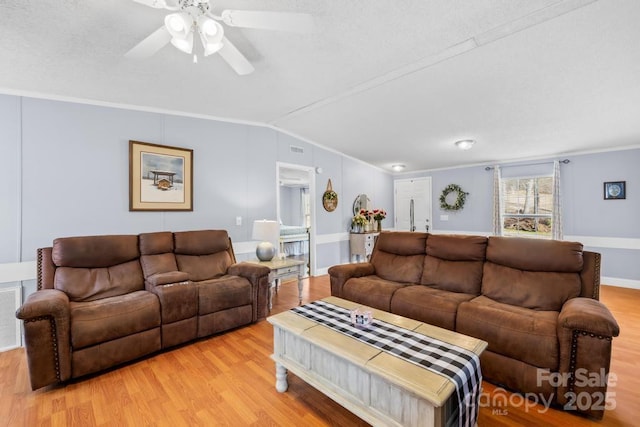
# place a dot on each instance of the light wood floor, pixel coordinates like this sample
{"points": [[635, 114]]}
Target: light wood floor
{"points": [[229, 380]]}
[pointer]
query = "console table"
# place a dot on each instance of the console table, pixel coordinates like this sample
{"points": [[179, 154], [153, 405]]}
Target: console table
{"points": [[361, 244], [282, 269]]}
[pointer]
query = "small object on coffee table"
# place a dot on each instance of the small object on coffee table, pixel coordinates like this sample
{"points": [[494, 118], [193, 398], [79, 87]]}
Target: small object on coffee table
{"points": [[361, 318]]}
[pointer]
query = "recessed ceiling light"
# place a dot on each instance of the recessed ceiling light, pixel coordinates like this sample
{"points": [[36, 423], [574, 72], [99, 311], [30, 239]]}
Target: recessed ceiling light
{"points": [[465, 144], [398, 167]]}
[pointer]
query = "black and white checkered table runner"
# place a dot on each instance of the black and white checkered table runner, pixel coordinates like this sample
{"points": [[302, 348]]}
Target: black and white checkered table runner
{"points": [[460, 366]]}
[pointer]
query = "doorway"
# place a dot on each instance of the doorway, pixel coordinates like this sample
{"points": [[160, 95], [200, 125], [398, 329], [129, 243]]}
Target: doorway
{"points": [[412, 204], [296, 212]]}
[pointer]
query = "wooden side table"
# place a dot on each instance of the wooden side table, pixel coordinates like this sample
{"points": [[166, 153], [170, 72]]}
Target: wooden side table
{"points": [[282, 269]]}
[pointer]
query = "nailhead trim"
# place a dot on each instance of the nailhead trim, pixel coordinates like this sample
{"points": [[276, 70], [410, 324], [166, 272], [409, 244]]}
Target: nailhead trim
{"points": [[54, 340], [39, 269], [574, 353], [596, 282]]}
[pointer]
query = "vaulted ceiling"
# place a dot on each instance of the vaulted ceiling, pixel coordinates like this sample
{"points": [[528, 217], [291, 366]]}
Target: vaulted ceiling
{"points": [[384, 81]]}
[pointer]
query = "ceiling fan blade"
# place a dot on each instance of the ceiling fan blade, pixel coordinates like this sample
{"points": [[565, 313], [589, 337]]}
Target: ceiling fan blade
{"points": [[279, 21], [152, 44], [235, 58]]}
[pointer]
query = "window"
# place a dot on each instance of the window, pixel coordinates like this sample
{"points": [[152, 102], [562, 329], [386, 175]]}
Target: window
{"points": [[527, 207]]}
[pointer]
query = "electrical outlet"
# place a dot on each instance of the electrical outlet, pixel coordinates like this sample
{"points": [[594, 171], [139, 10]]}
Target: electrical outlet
{"points": [[238, 220], [444, 217]]}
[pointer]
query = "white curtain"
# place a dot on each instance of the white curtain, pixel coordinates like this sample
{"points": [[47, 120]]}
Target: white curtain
{"points": [[556, 221], [497, 202]]}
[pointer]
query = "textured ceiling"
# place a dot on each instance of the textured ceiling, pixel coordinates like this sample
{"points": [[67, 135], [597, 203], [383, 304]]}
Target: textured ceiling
{"points": [[382, 81]]}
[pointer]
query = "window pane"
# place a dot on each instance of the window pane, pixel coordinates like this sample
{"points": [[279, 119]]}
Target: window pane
{"points": [[527, 226], [528, 206]]}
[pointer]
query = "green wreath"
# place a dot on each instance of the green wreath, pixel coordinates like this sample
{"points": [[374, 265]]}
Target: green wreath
{"points": [[459, 204]]}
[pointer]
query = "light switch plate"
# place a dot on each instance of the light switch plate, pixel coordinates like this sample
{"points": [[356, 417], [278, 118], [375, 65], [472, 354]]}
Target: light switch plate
{"points": [[238, 220], [444, 217]]}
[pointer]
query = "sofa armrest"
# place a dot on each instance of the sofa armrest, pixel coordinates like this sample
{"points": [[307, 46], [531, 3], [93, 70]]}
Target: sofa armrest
{"points": [[585, 332], [590, 315], [339, 274], [170, 277], [248, 270], [258, 276], [46, 319]]}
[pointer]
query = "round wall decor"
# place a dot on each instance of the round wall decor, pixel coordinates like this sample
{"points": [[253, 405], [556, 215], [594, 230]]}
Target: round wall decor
{"points": [[459, 201], [330, 199]]}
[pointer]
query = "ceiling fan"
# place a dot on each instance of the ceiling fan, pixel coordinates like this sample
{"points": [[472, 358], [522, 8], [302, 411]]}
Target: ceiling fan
{"points": [[194, 18]]}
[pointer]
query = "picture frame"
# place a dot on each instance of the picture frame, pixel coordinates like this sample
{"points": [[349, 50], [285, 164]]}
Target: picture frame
{"points": [[615, 190], [160, 177]]}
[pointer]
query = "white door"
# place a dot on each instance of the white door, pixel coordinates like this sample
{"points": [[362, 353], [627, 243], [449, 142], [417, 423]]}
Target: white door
{"points": [[412, 204]]}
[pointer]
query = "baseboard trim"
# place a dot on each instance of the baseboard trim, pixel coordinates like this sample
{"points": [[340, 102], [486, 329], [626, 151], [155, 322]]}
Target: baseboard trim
{"points": [[621, 283]]}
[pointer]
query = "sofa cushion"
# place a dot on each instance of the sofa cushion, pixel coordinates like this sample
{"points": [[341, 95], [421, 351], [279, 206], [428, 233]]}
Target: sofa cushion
{"points": [[158, 263], [538, 290], [204, 267], [156, 243], [89, 284], [516, 332], [401, 242], [201, 242], [532, 273], [94, 251], [452, 247], [373, 291], [399, 256], [106, 319], [429, 305], [223, 293], [535, 254], [454, 263]]}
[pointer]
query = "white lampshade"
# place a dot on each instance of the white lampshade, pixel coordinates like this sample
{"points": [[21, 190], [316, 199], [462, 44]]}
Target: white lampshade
{"points": [[268, 233]]}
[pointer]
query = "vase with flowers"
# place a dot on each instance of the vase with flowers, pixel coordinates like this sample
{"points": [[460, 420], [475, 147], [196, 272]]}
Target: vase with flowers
{"points": [[358, 222], [378, 215]]}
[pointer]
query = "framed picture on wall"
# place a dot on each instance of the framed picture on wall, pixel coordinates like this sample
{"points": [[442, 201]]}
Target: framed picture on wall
{"points": [[160, 177], [615, 190]]}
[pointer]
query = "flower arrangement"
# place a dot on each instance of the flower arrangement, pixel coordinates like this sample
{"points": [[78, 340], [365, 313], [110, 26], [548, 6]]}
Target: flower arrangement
{"points": [[359, 219], [379, 214]]}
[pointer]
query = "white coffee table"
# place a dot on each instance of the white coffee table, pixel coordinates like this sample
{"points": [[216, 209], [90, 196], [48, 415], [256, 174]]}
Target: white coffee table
{"points": [[378, 387]]}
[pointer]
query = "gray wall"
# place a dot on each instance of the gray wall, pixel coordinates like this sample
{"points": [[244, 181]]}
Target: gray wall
{"points": [[65, 172], [606, 226], [291, 206], [10, 178]]}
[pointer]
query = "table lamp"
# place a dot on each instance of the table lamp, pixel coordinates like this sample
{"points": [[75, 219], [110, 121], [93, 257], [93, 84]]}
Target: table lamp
{"points": [[267, 232]]}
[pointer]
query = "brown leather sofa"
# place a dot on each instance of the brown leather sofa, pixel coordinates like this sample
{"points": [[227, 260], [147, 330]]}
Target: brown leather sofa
{"points": [[534, 301], [105, 300]]}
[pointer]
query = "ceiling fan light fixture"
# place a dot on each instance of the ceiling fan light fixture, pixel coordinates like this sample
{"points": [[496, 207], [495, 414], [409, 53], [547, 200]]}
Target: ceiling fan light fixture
{"points": [[208, 26], [211, 48], [183, 44], [211, 34], [179, 25], [465, 144]]}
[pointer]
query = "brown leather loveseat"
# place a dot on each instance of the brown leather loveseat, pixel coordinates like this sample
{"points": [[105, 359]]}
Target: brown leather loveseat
{"points": [[534, 301], [105, 300]]}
